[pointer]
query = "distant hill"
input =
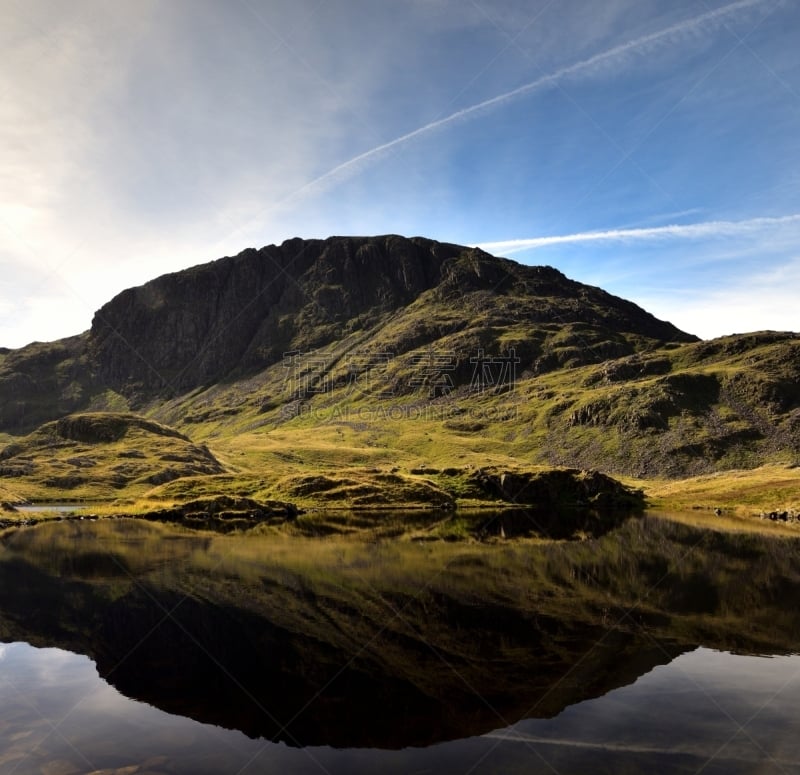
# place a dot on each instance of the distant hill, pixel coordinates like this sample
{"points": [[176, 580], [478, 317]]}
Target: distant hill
{"points": [[387, 350]]}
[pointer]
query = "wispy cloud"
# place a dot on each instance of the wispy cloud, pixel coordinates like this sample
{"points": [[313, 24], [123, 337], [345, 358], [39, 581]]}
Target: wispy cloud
{"points": [[706, 230], [119, 157], [711, 278], [585, 67]]}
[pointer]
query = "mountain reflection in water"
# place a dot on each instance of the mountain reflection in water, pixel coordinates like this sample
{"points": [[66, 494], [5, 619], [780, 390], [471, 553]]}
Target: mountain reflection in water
{"points": [[343, 643]]}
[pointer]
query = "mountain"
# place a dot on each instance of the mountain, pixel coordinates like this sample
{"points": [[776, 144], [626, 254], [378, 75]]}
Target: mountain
{"points": [[411, 354], [238, 315]]}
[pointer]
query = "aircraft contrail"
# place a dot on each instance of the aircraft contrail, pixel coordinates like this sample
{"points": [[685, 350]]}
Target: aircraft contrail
{"points": [[545, 80], [687, 231]]}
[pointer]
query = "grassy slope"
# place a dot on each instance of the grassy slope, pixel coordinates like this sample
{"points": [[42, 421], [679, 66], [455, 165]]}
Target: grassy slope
{"points": [[721, 411], [706, 424], [764, 488]]}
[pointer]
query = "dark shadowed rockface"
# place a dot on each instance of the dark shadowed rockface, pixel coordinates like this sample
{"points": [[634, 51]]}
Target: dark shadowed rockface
{"points": [[44, 381], [237, 314]]}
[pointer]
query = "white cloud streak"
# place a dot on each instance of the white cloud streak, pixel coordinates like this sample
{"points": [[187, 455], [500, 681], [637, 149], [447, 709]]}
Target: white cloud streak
{"points": [[584, 67], [706, 230]]}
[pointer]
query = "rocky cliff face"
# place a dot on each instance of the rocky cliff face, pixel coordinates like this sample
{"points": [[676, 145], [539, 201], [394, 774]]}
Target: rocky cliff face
{"points": [[240, 313]]}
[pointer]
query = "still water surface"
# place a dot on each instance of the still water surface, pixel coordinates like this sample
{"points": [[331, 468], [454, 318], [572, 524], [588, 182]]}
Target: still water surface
{"points": [[706, 711], [655, 648], [63, 508]]}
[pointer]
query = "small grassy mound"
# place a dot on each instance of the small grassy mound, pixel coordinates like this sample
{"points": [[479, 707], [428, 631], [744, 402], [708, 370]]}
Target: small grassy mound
{"points": [[98, 455]]}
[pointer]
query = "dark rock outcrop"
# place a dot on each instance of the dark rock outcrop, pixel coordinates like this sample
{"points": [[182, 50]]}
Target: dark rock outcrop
{"points": [[558, 488], [224, 513], [99, 427]]}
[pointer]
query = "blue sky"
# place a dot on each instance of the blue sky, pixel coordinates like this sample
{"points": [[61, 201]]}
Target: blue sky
{"points": [[645, 146]]}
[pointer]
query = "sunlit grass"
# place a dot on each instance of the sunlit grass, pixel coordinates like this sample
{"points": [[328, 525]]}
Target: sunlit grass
{"points": [[693, 425], [744, 492]]}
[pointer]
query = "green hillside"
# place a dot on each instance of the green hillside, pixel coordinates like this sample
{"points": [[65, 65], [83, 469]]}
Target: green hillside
{"points": [[388, 371]]}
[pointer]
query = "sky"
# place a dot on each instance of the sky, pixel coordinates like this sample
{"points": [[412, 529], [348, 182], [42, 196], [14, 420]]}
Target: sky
{"points": [[649, 147]]}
